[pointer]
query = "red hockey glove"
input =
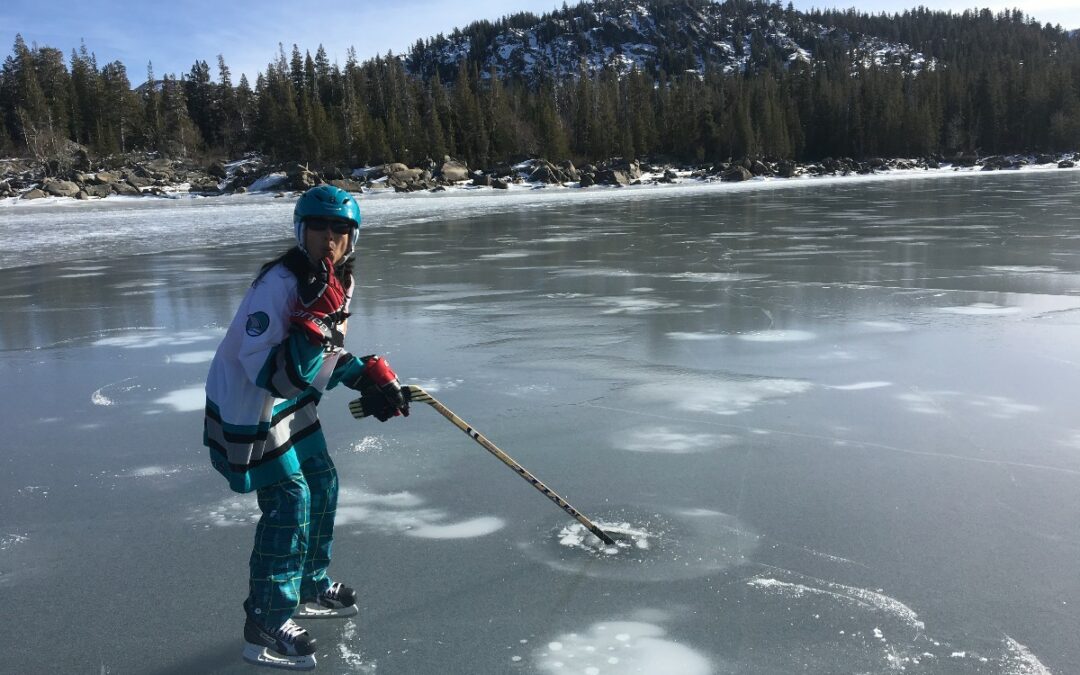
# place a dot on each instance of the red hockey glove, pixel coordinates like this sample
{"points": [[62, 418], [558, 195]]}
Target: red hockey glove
{"points": [[380, 390]]}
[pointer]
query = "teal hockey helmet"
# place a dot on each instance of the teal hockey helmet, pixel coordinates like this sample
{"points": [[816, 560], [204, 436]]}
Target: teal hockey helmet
{"points": [[327, 201]]}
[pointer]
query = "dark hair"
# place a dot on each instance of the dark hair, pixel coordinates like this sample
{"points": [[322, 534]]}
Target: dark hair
{"points": [[343, 271]]}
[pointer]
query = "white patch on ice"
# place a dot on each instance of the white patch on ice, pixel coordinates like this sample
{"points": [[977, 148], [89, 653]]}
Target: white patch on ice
{"points": [[504, 255], [886, 326], [148, 338], [444, 307], [940, 402], [351, 657], [778, 336], [79, 275], [367, 444], [625, 305], [722, 397], [859, 386], [421, 253], [85, 268], [666, 440], [466, 529], [433, 386], [98, 398], [9, 540], [185, 400], [1022, 269], [717, 277], [148, 471], [191, 357], [980, 309], [620, 647], [693, 337], [849, 594], [1022, 661]]}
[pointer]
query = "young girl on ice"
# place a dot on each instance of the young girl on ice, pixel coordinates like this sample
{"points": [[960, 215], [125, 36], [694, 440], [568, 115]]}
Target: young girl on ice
{"points": [[282, 351]]}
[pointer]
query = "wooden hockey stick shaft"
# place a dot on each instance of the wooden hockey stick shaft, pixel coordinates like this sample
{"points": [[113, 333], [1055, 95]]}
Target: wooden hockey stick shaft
{"points": [[418, 395]]}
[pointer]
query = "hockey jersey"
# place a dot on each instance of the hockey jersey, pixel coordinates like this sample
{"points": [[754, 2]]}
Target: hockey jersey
{"points": [[264, 385]]}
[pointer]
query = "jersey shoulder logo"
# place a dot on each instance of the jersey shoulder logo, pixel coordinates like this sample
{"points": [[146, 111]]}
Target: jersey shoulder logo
{"points": [[257, 324]]}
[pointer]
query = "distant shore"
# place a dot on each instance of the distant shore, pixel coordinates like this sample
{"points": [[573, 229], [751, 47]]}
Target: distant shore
{"points": [[150, 177]]}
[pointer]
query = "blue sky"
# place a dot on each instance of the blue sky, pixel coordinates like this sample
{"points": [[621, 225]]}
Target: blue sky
{"points": [[248, 33]]}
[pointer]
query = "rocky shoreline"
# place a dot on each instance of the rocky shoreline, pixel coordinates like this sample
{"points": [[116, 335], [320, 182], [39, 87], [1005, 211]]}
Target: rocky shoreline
{"points": [[149, 175]]}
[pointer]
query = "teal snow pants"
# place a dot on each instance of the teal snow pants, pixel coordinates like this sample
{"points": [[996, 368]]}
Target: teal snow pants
{"points": [[292, 542]]}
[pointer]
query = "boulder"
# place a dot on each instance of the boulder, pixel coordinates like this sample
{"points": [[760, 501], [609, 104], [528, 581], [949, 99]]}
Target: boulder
{"points": [[391, 168], [405, 179], [613, 177], [482, 180], [545, 172], [568, 171], [217, 170], [299, 177], [61, 188], [33, 194], [203, 184], [103, 178], [453, 171], [758, 168], [103, 190], [1066, 164], [125, 188], [82, 195], [737, 173], [347, 184], [499, 184], [785, 169], [631, 169], [587, 179]]}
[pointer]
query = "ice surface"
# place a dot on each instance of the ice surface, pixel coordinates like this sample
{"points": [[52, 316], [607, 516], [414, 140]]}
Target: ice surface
{"points": [[906, 477]]}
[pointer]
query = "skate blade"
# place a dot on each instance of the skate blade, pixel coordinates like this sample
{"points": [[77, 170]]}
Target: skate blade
{"points": [[313, 610], [263, 656]]}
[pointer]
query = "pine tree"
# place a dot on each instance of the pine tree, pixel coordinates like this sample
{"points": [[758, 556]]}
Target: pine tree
{"points": [[120, 109], [151, 105]]}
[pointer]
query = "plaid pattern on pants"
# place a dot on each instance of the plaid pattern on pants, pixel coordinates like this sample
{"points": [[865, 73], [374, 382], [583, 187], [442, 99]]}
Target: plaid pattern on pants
{"points": [[292, 542]]}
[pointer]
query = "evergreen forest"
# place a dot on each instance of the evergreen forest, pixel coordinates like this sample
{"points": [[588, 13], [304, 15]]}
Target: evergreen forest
{"points": [[991, 84]]}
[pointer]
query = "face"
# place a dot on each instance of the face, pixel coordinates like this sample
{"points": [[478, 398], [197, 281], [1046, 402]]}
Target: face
{"points": [[326, 243]]}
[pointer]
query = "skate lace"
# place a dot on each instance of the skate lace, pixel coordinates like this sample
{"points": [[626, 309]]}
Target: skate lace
{"points": [[290, 631], [332, 592]]}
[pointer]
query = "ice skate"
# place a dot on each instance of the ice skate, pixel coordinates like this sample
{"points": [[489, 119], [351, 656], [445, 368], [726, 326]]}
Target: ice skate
{"points": [[289, 647], [338, 602]]}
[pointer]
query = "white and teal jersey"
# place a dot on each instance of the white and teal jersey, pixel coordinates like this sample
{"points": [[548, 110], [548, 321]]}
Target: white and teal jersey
{"points": [[263, 388]]}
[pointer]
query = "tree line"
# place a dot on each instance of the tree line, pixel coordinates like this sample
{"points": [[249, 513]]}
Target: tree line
{"points": [[995, 83]]}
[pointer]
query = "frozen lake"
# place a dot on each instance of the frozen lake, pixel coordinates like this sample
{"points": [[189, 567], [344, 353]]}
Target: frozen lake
{"points": [[838, 418]]}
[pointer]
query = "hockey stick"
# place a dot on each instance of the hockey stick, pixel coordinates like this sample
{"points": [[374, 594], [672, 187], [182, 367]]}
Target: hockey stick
{"points": [[416, 394]]}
